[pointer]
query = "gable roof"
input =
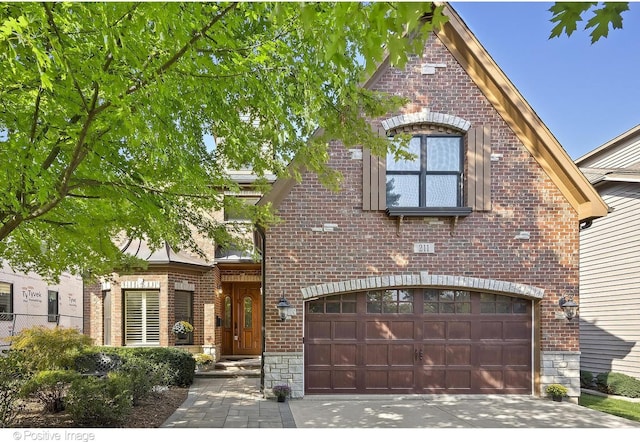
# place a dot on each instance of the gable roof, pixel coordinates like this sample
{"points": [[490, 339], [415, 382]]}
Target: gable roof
{"points": [[607, 148], [515, 111], [614, 161]]}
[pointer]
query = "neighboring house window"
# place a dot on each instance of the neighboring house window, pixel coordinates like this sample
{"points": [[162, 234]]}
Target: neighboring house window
{"points": [[6, 301], [432, 179], [142, 317], [52, 306]]}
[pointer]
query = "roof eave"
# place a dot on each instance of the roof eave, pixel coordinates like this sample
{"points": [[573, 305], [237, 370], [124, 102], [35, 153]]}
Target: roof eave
{"points": [[521, 118]]}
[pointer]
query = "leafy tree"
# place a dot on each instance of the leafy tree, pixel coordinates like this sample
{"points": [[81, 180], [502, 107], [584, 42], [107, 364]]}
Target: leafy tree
{"points": [[105, 109], [603, 14]]}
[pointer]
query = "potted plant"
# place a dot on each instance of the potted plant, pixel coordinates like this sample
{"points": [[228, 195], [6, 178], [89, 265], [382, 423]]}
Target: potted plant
{"points": [[181, 328], [281, 392], [203, 360], [556, 391]]}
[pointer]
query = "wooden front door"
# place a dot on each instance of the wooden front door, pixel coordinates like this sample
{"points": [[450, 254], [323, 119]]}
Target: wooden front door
{"points": [[242, 325]]}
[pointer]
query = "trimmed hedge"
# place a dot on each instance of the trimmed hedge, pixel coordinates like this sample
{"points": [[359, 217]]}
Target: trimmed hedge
{"points": [[100, 401], [169, 365], [618, 384]]}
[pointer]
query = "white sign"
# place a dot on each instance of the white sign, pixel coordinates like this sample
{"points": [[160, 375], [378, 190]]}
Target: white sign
{"points": [[424, 247]]}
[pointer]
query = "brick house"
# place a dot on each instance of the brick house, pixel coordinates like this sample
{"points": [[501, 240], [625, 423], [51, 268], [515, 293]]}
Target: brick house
{"points": [[219, 294], [440, 275]]}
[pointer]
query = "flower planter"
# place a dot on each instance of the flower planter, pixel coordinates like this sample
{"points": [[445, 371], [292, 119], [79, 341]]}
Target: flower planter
{"points": [[282, 398], [557, 398]]}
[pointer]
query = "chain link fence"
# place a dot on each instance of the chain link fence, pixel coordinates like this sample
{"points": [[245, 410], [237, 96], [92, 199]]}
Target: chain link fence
{"points": [[13, 323]]}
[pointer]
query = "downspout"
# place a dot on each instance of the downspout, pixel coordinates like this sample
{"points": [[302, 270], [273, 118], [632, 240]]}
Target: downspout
{"points": [[262, 234]]}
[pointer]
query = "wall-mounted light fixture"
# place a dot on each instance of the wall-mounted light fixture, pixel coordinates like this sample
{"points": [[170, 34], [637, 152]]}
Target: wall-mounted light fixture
{"points": [[283, 306], [568, 306]]}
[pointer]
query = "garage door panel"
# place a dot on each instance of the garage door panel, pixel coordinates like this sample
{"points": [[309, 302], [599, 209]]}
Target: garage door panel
{"points": [[344, 380], [376, 380], [517, 355], [319, 330], [488, 379], [458, 380], [400, 379], [518, 380], [403, 329], [517, 330], [318, 380], [434, 330], [433, 380], [491, 330], [390, 330], [402, 354], [459, 330], [319, 355], [376, 354], [489, 355], [344, 330], [458, 355], [344, 354], [434, 354]]}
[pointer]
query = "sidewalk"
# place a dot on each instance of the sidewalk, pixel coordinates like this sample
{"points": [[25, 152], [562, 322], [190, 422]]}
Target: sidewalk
{"points": [[229, 402]]}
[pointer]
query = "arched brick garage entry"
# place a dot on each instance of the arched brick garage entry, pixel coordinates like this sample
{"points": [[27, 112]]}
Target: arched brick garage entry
{"points": [[419, 334]]}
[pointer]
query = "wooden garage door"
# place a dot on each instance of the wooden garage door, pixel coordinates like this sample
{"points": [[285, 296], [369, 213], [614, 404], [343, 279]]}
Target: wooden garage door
{"points": [[418, 341]]}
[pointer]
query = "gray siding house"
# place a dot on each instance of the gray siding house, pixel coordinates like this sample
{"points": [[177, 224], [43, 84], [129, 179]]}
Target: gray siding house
{"points": [[610, 260]]}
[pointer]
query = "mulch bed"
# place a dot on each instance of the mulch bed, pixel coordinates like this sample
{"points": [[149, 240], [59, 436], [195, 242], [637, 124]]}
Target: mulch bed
{"points": [[152, 412]]}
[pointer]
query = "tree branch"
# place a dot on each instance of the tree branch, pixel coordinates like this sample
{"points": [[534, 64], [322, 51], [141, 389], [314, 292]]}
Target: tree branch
{"points": [[52, 23], [180, 53]]}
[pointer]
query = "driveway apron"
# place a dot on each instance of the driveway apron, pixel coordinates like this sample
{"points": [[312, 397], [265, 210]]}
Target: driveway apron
{"points": [[236, 402]]}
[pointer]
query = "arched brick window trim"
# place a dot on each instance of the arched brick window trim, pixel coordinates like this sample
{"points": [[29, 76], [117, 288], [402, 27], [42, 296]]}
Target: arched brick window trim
{"points": [[423, 279], [478, 157]]}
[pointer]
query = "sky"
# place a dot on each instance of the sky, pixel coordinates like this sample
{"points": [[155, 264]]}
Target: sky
{"points": [[586, 94]]}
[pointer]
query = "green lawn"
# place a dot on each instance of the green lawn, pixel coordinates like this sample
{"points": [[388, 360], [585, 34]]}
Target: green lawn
{"points": [[617, 407]]}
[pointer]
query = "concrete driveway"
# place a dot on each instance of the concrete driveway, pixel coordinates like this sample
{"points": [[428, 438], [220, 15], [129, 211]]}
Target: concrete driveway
{"points": [[447, 412]]}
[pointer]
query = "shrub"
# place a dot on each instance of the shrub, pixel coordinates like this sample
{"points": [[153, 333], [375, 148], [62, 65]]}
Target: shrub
{"points": [[143, 375], [618, 384], [169, 366], [586, 379], [100, 402], [50, 388], [94, 360], [12, 381], [42, 348], [176, 366]]}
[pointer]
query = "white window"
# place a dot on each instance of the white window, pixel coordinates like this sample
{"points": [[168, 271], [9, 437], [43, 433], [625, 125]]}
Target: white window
{"points": [[142, 317], [6, 301]]}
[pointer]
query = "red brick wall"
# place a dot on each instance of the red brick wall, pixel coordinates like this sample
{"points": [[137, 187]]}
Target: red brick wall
{"points": [[480, 245]]}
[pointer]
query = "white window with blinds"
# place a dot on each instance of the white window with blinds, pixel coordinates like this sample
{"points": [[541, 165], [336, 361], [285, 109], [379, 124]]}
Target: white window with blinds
{"points": [[6, 301], [142, 317]]}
